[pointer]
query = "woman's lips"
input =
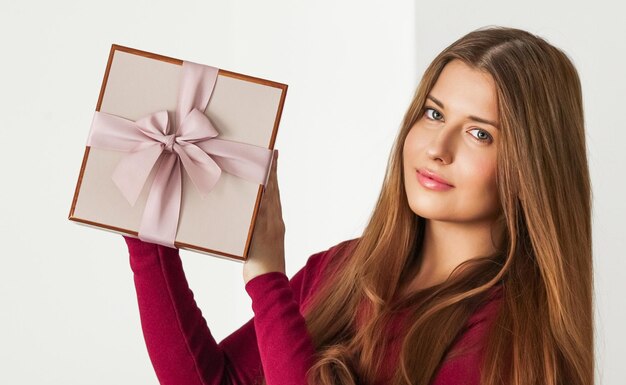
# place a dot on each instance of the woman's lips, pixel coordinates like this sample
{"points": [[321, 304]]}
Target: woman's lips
{"points": [[432, 184]]}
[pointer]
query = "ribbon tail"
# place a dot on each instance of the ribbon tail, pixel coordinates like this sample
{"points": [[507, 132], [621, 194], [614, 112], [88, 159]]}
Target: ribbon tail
{"points": [[133, 170], [244, 160], [159, 223]]}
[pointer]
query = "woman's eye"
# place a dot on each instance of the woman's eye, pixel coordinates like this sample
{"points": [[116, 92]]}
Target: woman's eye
{"points": [[436, 113], [485, 137]]}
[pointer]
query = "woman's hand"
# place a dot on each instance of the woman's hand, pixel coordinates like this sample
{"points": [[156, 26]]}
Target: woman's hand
{"points": [[267, 249]]}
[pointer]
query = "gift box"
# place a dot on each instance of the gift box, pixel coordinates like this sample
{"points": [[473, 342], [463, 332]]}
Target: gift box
{"points": [[178, 153]]}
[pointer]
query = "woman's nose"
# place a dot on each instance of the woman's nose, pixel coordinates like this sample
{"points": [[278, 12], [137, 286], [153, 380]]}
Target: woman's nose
{"points": [[441, 145]]}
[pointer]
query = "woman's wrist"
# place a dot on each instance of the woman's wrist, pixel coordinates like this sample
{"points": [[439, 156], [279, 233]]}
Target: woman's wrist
{"points": [[259, 283], [254, 269]]}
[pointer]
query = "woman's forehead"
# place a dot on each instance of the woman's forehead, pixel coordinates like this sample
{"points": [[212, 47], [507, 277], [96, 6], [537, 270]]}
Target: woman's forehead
{"points": [[465, 91]]}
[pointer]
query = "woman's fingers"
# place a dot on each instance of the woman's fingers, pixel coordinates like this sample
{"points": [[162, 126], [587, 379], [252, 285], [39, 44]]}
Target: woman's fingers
{"points": [[271, 195], [272, 181], [267, 251]]}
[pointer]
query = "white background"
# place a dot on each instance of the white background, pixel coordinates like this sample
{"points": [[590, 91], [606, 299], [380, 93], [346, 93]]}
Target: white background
{"points": [[68, 312]]}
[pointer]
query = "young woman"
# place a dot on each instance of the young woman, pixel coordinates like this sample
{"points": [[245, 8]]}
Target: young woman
{"points": [[475, 267]]}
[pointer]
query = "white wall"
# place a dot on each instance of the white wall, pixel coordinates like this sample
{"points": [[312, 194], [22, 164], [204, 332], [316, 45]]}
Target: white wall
{"points": [[69, 312], [68, 307]]}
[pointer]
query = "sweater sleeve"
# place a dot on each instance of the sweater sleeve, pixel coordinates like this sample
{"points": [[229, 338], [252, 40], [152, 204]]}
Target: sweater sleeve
{"points": [[286, 348], [180, 345]]}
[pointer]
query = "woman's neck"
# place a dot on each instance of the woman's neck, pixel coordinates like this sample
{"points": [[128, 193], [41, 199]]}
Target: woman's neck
{"points": [[446, 245]]}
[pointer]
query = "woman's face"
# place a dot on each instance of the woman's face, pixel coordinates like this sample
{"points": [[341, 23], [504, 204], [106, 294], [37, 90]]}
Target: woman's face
{"points": [[450, 140]]}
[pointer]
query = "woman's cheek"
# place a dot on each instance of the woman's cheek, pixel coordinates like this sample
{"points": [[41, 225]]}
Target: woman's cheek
{"points": [[484, 171], [413, 143]]}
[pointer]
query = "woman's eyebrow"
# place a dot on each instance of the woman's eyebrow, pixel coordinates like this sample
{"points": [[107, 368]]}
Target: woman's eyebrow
{"points": [[472, 117]]}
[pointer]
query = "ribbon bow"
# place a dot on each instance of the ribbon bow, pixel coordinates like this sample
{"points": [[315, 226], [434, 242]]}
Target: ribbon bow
{"points": [[153, 141]]}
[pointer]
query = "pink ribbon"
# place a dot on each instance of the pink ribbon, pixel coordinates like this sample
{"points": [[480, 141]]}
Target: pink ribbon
{"points": [[153, 142]]}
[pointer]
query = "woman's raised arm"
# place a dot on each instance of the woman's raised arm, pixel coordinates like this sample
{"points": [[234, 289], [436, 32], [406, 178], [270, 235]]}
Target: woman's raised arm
{"points": [[180, 344]]}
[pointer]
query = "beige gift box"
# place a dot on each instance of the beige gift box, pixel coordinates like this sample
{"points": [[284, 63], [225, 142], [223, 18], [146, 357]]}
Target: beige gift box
{"points": [[242, 108]]}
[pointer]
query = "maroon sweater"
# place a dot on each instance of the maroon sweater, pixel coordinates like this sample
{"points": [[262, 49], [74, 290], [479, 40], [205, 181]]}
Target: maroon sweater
{"points": [[274, 344]]}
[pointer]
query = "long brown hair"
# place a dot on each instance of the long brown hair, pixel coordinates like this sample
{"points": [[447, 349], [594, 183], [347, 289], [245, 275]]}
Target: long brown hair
{"points": [[543, 332]]}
